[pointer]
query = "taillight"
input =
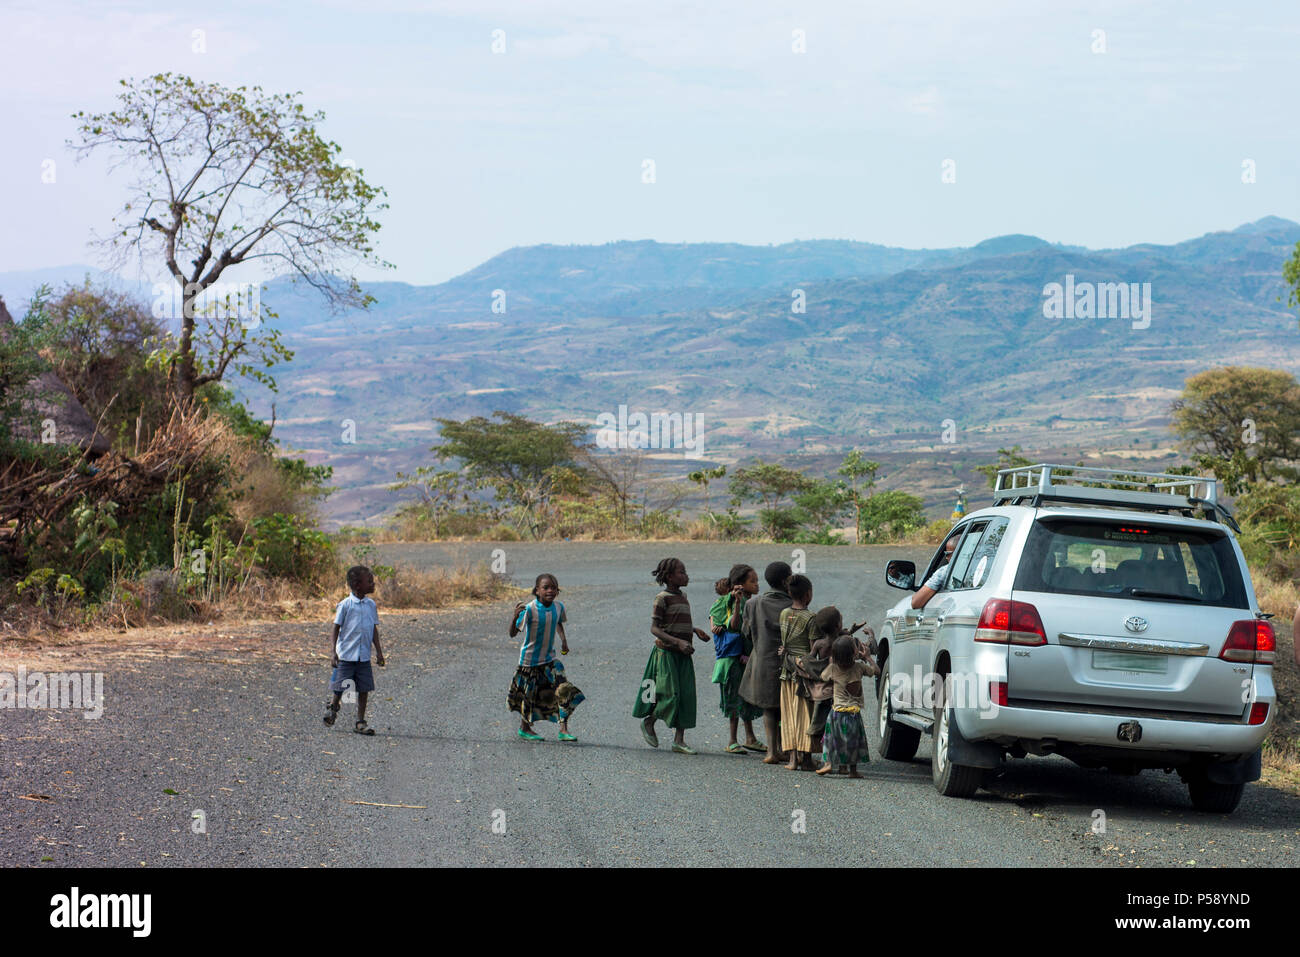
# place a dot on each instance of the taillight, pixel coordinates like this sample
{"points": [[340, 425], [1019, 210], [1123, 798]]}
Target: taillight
{"points": [[998, 693], [1251, 642], [1259, 712], [1010, 623]]}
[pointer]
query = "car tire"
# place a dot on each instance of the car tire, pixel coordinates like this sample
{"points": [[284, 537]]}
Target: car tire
{"points": [[1214, 798], [898, 742], [950, 780]]}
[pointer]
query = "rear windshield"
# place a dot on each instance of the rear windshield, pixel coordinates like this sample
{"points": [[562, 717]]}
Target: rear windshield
{"points": [[1126, 560]]}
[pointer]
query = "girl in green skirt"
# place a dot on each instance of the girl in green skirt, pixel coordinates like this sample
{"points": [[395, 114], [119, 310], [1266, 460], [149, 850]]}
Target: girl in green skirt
{"points": [[667, 691]]}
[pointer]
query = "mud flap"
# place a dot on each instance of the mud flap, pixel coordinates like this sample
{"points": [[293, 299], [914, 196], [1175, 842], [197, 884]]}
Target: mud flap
{"points": [[971, 754], [1247, 768]]}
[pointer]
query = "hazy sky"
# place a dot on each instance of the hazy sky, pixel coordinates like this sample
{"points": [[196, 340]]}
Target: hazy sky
{"points": [[751, 141]]}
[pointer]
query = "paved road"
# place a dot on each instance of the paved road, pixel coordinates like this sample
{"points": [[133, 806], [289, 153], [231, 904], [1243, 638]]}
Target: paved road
{"points": [[243, 743]]}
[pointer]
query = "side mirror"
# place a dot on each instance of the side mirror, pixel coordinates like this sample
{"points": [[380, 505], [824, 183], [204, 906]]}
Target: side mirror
{"points": [[901, 574]]}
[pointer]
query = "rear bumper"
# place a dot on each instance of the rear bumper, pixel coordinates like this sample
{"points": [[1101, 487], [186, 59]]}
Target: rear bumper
{"points": [[1042, 728]]}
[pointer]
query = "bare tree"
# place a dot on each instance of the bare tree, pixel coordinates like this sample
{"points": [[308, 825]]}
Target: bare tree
{"points": [[225, 178]]}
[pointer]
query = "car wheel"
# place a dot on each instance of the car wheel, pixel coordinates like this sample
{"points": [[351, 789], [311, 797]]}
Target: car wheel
{"points": [[951, 780], [1214, 798], [898, 742]]}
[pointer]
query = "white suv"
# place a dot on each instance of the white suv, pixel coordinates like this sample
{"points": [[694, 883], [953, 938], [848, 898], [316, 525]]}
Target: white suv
{"points": [[1101, 615]]}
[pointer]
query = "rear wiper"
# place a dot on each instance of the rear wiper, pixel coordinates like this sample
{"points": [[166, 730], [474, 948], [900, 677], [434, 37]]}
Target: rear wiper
{"points": [[1149, 593]]}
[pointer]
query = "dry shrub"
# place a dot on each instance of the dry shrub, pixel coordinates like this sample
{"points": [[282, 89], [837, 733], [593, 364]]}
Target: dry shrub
{"points": [[702, 530], [410, 587], [1276, 597], [1281, 759]]}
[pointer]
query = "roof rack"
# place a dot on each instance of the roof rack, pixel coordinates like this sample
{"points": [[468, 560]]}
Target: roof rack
{"points": [[1124, 488]]}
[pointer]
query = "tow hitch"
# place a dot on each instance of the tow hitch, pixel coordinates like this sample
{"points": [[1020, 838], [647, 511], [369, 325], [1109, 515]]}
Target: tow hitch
{"points": [[1130, 731]]}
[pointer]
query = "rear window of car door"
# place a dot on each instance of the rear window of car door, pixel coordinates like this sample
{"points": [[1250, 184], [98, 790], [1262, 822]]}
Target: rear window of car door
{"points": [[961, 561], [975, 571]]}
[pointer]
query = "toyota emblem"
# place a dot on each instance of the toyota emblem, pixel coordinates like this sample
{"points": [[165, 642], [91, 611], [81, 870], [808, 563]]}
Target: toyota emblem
{"points": [[1136, 624]]}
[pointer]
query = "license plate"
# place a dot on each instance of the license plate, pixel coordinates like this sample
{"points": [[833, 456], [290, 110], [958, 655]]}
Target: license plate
{"points": [[1121, 661]]}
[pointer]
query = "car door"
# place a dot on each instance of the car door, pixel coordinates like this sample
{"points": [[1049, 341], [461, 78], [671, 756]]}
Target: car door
{"points": [[925, 621]]}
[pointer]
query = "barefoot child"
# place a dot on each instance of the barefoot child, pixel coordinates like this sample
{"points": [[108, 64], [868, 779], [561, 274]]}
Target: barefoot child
{"points": [[356, 628], [845, 740], [539, 689], [730, 647], [798, 632], [761, 627], [667, 691], [830, 625]]}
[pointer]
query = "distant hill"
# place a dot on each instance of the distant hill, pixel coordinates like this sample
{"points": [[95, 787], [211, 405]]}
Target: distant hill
{"points": [[892, 345]]}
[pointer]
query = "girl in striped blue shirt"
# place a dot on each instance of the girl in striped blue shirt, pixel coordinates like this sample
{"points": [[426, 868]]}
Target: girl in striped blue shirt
{"points": [[540, 689]]}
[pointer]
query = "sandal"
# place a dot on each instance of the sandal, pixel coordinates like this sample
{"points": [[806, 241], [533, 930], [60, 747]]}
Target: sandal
{"points": [[651, 738], [735, 748], [529, 736], [362, 728], [565, 736], [756, 747], [331, 714], [683, 749]]}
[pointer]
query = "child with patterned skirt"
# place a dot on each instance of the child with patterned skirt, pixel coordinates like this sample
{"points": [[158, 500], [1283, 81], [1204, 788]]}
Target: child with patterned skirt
{"points": [[844, 743], [667, 691], [540, 689], [830, 625], [732, 654]]}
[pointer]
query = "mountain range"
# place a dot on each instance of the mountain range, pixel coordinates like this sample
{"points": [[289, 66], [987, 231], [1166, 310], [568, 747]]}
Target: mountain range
{"points": [[928, 359]]}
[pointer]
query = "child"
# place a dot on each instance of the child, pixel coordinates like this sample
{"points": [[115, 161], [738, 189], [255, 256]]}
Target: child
{"points": [[845, 737], [798, 631], [667, 690], [539, 688], [830, 625], [732, 653], [761, 627], [356, 627]]}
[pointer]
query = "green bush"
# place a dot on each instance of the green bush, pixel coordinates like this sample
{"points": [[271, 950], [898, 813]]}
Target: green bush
{"points": [[1270, 523], [288, 547]]}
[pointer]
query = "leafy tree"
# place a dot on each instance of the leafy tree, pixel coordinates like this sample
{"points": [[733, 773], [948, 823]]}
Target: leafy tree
{"points": [[770, 485], [1007, 459], [509, 447], [1243, 422], [99, 343], [20, 364], [858, 469], [1291, 276], [702, 477], [824, 504], [227, 178], [893, 513], [441, 491], [526, 463]]}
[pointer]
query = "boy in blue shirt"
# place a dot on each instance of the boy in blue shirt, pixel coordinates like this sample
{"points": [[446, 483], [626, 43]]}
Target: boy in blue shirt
{"points": [[356, 628]]}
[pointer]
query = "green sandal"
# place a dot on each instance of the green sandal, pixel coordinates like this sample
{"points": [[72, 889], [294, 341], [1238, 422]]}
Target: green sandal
{"points": [[529, 736], [565, 736], [683, 749], [735, 748], [757, 747]]}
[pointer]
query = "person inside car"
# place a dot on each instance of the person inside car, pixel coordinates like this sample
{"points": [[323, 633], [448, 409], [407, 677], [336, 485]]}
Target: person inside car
{"points": [[934, 584]]}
